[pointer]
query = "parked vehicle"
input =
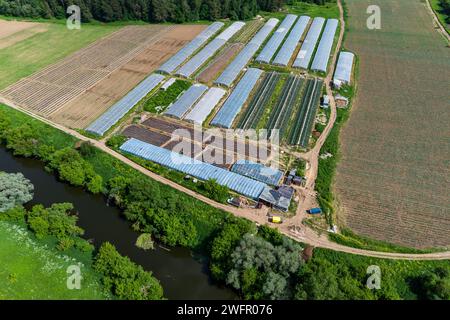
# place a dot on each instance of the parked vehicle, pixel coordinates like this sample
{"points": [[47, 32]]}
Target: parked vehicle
{"points": [[276, 219], [314, 211]]}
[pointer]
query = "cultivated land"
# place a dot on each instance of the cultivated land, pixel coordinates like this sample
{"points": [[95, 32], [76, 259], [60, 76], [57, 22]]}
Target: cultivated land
{"points": [[76, 90], [393, 176], [24, 260], [29, 55], [12, 32]]}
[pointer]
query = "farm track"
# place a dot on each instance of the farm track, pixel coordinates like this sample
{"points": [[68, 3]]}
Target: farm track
{"points": [[305, 234]]}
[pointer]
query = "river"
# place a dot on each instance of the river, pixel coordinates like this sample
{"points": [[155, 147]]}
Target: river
{"points": [[182, 275]]}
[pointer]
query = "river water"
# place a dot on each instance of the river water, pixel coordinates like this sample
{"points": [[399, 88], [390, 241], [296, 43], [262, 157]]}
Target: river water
{"points": [[182, 275]]}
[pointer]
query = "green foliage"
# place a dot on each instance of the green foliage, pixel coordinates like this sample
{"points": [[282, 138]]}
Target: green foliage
{"points": [[54, 221], [124, 278], [271, 235], [216, 191], [71, 167], [15, 190], [224, 244], [95, 185], [87, 149], [116, 141], [144, 241], [16, 215], [263, 271], [146, 10], [164, 98], [434, 285]]}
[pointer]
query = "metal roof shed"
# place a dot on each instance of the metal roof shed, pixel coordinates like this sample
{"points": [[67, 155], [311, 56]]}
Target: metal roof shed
{"points": [[258, 172]]}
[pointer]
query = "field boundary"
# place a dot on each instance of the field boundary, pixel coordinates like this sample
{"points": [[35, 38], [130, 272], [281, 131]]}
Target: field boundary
{"points": [[443, 29]]}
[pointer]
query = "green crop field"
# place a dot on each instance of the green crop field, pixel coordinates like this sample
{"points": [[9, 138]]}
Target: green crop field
{"points": [[42, 49], [392, 177], [30, 270]]}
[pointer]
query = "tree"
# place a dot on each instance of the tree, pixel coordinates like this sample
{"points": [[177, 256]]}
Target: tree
{"points": [[435, 285], [261, 270], [15, 190], [124, 278], [216, 191], [95, 185]]}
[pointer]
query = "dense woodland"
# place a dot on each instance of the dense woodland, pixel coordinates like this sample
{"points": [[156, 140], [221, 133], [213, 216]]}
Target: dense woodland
{"points": [[145, 10]]}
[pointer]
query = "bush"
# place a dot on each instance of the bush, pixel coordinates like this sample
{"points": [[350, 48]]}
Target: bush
{"points": [[116, 141], [125, 279]]}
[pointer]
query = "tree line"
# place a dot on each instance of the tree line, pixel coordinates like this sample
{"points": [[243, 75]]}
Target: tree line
{"points": [[178, 11], [145, 10]]}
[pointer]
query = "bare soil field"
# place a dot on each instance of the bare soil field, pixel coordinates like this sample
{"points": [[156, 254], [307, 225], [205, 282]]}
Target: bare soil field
{"points": [[393, 175], [219, 63], [212, 148], [75, 91], [12, 32]]}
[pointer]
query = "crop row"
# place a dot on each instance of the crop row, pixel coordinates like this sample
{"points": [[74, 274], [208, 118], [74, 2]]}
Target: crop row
{"points": [[279, 118], [304, 119], [256, 107]]}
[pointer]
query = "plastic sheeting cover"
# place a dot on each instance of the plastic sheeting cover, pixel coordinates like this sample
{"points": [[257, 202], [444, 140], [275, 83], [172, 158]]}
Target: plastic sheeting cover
{"points": [[233, 70], [118, 110], [180, 107], [323, 52], [287, 50], [209, 50], [206, 104], [274, 43], [175, 61], [306, 51], [226, 115], [344, 67], [258, 172], [201, 170]]}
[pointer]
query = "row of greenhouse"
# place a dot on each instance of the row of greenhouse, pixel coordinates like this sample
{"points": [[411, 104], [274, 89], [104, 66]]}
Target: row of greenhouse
{"points": [[199, 100]]}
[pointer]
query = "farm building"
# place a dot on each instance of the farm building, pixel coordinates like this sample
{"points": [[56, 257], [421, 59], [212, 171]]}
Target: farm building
{"points": [[258, 172], [343, 73], [279, 199]]}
